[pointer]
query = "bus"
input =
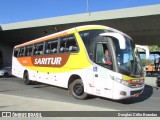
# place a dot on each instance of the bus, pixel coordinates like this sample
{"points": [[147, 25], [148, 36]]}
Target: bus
{"points": [[74, 59]]}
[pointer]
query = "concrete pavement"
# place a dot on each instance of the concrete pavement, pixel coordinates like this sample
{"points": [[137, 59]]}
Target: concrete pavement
{"points": [[18, 103], [150, 81]]}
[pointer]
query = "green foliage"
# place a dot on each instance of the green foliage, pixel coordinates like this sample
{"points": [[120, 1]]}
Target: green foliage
{"points": [[145, 62], [154, 48]]}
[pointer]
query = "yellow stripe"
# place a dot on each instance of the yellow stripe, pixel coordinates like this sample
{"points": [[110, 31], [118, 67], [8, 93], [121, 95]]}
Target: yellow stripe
{"points": [[91, 27], [124, 77]]}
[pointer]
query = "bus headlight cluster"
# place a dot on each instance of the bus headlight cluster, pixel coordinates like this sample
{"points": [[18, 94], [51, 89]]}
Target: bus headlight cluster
{"points": [[125, 83], [120, 81]]}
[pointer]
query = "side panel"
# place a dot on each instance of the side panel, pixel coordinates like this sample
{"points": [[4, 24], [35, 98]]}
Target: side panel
{"points": [[58, 77], [17, 68], [54, 69], [103, 85]]}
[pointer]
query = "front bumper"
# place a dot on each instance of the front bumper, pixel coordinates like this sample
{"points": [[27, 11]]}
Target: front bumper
{"points": [[123, 92]]}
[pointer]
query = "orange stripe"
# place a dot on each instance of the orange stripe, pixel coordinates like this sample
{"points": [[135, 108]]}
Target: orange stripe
{"points": [[25, 61], [41, 39], [30, 61]]}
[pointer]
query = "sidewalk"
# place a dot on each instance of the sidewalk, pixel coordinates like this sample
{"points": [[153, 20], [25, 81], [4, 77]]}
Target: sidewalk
{"points": [[17, 103]]}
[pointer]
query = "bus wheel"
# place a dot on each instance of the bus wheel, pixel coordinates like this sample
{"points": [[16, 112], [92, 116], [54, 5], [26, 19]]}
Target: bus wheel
{"points": [[76, 89], [26, 79]]}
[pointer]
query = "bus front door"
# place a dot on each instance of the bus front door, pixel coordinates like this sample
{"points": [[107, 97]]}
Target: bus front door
{"points": [[103, 85]]}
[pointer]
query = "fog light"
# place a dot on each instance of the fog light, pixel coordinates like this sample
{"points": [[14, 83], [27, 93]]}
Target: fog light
{"points": [[123, 93]]}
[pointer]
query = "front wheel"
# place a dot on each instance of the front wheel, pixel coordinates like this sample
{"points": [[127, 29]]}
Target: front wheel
{"points": [[76, 89]]}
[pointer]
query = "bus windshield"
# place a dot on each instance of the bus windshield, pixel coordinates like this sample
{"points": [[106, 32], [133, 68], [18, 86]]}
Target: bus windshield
{"points": [[128, 60]]}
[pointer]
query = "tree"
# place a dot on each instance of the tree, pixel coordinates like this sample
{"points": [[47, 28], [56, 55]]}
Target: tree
{"points": [[154, 48], [145, 62]]}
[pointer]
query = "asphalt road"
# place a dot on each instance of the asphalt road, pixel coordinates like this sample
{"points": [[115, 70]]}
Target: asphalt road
{"points": [[148, 101]]}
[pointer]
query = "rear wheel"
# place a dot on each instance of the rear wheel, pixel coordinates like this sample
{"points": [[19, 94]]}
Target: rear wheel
{"points": [[76, 89], [26, 79]]}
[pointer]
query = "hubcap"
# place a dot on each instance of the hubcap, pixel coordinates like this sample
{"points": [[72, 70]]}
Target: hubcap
{"points": [[78, 89]]}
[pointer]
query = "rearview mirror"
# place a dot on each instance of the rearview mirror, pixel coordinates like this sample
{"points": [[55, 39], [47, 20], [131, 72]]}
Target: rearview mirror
{"points": [[145, 48], [119, 37]]}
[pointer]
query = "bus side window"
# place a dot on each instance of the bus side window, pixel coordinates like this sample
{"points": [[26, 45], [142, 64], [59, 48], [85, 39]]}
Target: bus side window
{"points": [[72, 44], [47, 47], [68, 44], [38, 49], [35, 51], [28, 51], [16, 52], [21, 52], [63, 42], [54, 45], [103, 55], [51, 46]]}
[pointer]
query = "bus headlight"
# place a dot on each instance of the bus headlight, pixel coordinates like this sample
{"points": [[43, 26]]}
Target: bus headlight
{"points": [[125, 83], [116, 79], [120, 81]]}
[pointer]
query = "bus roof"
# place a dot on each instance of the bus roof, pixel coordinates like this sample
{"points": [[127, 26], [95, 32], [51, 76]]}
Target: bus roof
{"points": [[66, 32]]}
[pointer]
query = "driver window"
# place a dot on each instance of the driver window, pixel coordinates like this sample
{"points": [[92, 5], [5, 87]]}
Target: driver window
{"points": [[103, 56]]}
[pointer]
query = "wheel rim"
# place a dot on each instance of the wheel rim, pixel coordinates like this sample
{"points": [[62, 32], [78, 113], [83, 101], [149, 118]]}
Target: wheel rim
{"points": [[78, 89], [26, 78]]}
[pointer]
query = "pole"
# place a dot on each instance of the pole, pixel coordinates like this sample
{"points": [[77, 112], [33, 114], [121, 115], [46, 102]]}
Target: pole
{"points": [[86, 6]]}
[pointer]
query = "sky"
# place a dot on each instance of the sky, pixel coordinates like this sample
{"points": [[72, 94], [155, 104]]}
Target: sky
{"points": [[23, 10]]}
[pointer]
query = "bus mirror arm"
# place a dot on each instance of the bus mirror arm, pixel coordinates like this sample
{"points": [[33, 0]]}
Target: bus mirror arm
{"points": [[118, 36], [145, 48]]}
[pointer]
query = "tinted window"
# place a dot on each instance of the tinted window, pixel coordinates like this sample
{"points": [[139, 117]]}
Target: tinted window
{"points": [[90, 37], [16, 50], [68, 44], [21, 52], [28, 50], [51, 46], [38, 49]]}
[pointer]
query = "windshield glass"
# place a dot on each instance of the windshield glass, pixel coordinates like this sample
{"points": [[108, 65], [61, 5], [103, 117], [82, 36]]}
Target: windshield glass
{"points": [[128, 60]]}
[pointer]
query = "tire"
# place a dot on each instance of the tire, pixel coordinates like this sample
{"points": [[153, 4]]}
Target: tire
{"points": [[5, 75], [76, 89], [26, 79]]}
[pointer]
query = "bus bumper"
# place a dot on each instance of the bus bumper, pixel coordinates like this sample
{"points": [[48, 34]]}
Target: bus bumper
{"points": [[125, 92]]}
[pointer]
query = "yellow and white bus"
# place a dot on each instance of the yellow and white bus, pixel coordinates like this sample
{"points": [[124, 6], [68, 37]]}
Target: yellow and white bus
{"points": [[75, 59]]}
